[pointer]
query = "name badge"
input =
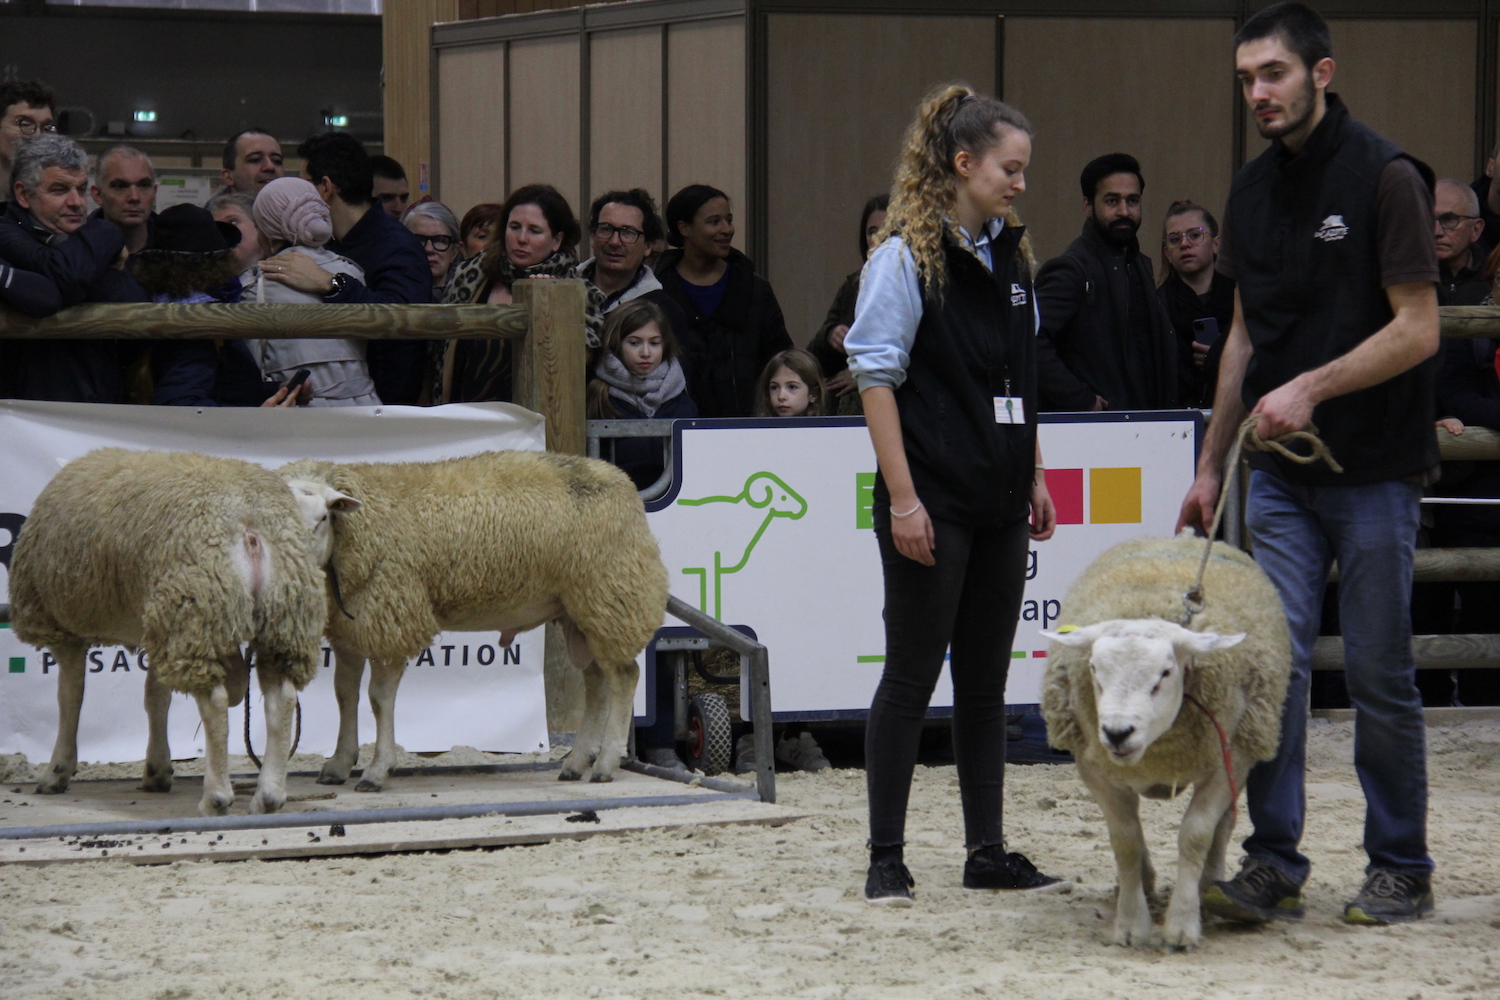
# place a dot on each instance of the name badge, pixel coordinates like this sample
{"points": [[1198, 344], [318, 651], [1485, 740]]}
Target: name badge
{"points": [[1010, 410]]}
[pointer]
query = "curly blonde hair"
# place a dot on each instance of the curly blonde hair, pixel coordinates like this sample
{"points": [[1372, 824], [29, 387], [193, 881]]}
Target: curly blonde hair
{"points": [[923, 198]]}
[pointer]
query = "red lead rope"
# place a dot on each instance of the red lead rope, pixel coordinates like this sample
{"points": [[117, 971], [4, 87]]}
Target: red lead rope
{"points": [[1234, 791]]}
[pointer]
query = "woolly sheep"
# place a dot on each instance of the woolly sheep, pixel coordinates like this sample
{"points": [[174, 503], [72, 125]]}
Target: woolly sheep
{"points": [[504, 541], [186, 556], [1116, 694]]}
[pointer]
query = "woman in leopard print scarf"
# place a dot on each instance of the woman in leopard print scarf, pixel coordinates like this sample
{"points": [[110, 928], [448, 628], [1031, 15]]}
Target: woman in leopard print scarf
{"points": [[535, 239]]}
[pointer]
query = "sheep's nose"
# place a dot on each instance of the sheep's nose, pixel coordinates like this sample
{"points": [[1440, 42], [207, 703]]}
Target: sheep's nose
{"points": [[1117, 737]]}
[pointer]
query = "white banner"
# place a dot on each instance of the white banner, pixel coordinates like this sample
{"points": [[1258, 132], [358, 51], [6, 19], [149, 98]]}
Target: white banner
{"points": [[768, 526], [463, 690]]}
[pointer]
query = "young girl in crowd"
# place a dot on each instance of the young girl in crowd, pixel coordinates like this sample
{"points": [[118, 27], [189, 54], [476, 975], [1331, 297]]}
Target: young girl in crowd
{"points": [[943, 350], [791, 385], [639, 376]]}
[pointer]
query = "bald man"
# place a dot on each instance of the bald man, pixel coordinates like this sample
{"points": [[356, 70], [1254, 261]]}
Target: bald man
{"points": [[1457, 226]]}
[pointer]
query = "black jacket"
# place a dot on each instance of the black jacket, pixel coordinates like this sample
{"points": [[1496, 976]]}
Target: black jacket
{"points": [[1087, 346], [726, 351], [396, 270], [80, 267], [1184, 307], [975, 342], [1306, 256], [1468, 389], [643, 459], [1466, 286]]}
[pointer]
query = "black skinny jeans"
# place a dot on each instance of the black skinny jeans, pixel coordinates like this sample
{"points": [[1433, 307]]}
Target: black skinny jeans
{"points": [[969, 601]]}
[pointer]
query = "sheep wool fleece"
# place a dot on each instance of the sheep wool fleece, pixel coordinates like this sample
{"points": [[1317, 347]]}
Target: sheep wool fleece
{"points": [[1244, 686], [146, 548], [434, 541]]}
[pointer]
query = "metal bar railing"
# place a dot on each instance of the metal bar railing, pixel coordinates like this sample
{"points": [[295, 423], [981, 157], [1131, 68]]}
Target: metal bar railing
{"points": [[601, 430]]}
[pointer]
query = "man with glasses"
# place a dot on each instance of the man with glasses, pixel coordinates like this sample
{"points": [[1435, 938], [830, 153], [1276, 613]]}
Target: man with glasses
{"points": [[125, 190], [1199, 301], [1105, 340], [1457, 228], [27, 111], [623, 226]]}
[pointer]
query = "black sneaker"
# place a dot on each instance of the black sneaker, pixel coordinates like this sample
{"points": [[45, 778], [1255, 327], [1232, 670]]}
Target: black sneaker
{"points": [[1390, 898], [889, 884], [1257, 894], [992, 868]]}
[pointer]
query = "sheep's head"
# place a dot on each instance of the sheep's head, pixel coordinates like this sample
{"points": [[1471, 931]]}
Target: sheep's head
{"points": [[1138, 667], [318, 502]]}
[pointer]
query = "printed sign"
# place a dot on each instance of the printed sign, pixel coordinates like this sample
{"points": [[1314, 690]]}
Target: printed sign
{"points": [[769, 525], [462, 690]]}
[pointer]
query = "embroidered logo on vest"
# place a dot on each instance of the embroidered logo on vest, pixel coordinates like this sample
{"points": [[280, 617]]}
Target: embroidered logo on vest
{"points": [[1333, 229], [1017, 295]]}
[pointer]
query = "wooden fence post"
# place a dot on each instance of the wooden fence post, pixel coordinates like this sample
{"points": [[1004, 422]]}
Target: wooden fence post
{"points": [[549, 379], [549, 370]]}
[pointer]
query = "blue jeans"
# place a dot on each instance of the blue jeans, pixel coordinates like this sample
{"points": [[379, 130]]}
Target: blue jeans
{"points": [[1371, 531]]}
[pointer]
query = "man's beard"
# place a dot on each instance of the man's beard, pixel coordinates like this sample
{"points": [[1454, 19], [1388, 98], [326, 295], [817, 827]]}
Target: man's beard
{"points": [[1294, 119], [1119, 233]]}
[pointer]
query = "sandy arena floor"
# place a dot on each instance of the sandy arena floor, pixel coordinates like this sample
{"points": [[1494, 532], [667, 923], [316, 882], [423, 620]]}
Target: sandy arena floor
{"points": [[757, 912]]}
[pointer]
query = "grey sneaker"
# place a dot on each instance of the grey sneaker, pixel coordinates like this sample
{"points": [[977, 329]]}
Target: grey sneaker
{"points": [[801, 752], [663, 757], [1257, 894], [1390, 898], [744, 754]]}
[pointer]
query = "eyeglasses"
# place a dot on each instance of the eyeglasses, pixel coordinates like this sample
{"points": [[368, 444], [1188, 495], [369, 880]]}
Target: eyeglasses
{"points": [[442, 244], [604, 232], [1452, 220], [30, 126], [1191, 237]]}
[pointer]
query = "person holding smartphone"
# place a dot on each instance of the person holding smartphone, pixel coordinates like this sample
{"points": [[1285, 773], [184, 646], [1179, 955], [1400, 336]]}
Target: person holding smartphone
{"points": [[1198, 299]]}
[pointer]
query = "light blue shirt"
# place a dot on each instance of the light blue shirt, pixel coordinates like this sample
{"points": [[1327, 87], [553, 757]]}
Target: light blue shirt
{"points": [[889, 309]]}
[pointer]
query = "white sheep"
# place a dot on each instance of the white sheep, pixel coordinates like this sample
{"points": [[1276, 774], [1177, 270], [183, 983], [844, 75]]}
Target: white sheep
{"points": [[503, 541], [1136, 698], [186, 556]]}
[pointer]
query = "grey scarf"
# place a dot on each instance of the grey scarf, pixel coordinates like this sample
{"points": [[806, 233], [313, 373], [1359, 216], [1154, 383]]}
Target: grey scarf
{"points": [[644, 392]]}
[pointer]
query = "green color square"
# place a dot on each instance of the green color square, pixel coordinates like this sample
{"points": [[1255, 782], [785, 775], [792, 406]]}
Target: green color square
{"points": [[864, 500], [18, 664]]}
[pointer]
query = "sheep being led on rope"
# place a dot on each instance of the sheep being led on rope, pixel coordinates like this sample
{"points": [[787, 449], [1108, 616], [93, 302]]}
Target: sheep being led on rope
{"points": [[186, 556], [1148, 707], [502, 541]]}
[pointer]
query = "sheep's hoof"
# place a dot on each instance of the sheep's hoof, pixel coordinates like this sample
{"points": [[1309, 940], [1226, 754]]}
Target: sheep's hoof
{"points": [[328, 778], [569, 774], [263, 803], [601, 776], [1183, 936], [157, 780], [215, 805], [368, 785], [56, 782]]}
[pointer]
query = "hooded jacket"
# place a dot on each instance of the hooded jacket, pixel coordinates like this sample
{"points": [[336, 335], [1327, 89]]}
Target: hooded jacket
{"points": [[725, 352]]}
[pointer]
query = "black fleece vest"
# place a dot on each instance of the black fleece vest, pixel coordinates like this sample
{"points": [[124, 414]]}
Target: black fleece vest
{"points": [[1307, 260], [978, 334]]}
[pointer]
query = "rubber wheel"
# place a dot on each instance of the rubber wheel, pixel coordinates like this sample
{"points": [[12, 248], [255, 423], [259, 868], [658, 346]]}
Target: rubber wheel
{"points": [[710, 739]]}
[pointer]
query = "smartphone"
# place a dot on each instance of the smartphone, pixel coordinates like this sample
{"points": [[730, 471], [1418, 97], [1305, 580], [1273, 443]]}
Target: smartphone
{"points": [[295, 382], [1206, 331]]}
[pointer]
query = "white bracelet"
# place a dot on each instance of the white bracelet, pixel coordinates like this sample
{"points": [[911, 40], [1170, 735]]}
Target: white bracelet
{"points": [[908, 513]]}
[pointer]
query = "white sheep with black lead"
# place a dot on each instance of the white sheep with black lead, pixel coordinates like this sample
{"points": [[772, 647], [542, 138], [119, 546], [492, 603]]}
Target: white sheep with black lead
{"points": [[502, 541], [186, 556], [1148, 707]]}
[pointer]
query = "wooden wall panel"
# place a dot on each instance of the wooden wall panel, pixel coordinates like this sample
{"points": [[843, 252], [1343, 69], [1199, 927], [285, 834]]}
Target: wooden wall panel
{"points": [[407, 44], [625, 112], [471, 126], [1159, 89], [546, 111], [706, 110], [838, 104]]}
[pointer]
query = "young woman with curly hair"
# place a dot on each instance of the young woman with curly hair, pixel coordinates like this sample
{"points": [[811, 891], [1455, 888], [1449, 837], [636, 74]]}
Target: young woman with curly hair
{"points": [[942, 348]]}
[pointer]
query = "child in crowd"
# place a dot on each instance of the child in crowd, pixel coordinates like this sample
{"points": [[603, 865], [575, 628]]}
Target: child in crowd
{"points": [[791, 385], [639, 376]]}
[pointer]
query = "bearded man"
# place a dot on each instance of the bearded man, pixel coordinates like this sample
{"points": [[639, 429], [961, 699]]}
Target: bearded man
{"points": [[1105, 341]]}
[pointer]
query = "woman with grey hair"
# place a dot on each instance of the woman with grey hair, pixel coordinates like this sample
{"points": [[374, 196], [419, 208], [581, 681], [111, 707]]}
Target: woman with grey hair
{"points": [[437, 227]]}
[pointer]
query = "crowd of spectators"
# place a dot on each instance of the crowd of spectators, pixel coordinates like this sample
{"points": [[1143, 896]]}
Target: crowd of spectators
{"points": [[679, 322]]}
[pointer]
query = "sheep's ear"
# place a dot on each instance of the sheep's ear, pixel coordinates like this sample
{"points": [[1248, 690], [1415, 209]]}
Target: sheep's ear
{"points": [[341, 503], [1206, 642], [1079, 638]]}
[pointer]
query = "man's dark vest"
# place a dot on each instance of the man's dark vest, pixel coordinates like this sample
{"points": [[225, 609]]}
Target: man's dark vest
{"points": [[1306, 256], [980, 332]]}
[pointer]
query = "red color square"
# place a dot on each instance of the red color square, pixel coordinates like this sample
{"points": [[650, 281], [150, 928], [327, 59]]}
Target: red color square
{"points": [[1066, 487]]}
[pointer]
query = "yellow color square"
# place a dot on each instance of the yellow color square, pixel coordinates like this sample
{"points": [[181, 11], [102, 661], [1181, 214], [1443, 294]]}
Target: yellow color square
{"points": [[1114, 496]]}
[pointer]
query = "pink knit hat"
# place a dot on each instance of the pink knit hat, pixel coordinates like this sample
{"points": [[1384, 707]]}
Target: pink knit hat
{"points": [[290, 209]]}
